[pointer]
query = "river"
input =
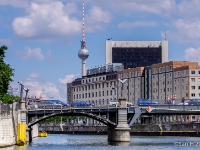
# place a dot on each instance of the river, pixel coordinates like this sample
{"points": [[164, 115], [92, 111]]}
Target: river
{"points": [[99, 142]]}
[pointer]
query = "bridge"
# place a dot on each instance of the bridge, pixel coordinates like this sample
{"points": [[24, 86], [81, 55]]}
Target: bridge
{"points": [[118, 119]]}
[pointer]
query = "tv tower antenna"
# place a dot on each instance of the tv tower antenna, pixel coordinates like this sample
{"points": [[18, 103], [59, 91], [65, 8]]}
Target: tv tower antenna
{"points": [[83, 23], [83, 53]]}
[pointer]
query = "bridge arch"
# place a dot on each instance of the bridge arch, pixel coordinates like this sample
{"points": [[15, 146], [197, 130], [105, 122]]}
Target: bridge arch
{"points": [[89, 115]]}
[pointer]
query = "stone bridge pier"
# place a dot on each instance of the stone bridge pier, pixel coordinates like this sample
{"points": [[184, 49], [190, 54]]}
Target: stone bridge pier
{"points": [[122, 132]]}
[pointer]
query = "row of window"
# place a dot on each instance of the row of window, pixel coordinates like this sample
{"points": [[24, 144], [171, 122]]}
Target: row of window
{"points": [[95, 86], [170, 89], [95, 94], [93, 79]]}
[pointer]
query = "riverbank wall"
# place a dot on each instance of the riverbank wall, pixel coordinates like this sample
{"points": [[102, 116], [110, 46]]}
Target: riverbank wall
{"points": [[7, 134], [9, 120], [137, 130]]}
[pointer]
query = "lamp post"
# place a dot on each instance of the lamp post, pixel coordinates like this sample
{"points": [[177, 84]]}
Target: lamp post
{"points": [[21, 95], [26, 90], [122, 81]]}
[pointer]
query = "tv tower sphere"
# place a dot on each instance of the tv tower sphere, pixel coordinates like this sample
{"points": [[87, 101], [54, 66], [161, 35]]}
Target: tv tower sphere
{"points": [[83, 53]]}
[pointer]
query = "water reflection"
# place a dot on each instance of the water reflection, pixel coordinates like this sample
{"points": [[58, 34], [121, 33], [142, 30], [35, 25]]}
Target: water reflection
{"points": [[99, 142], [119, 143]]}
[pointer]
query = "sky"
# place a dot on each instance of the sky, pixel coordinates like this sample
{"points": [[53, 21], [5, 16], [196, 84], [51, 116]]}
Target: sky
{"points": [[43, 36]]}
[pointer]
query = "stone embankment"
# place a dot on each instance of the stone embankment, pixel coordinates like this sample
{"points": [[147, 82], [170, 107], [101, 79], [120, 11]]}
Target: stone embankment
{"points": [[7, 134], [190, 129], [9, 120]]}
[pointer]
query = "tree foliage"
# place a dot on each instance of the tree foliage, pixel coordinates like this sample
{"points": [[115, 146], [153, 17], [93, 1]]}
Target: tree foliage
{"points": [[8, 99], [6, 72]]}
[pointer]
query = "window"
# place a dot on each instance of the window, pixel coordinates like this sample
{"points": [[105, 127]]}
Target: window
{"points": [[199, 72], [192, 71], [192, 94], [182, 80], [198, 79], [199, 87], [192, 79], [92, 94], [192, 87]]}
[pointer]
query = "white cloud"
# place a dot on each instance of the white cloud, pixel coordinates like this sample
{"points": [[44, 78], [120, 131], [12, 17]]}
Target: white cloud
{"points": [[185, 31], [98, 15], [122, 7], [47, 90], [155, 6], [70, 8], [192, 54], [136, 24], [15, 3], [184, 25], [33, 54], [97, 18], [33, 76], [68, 78], [46, 21], [188, 8]]}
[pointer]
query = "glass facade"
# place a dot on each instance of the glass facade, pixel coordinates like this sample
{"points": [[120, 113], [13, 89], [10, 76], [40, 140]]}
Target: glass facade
{"points": [[132, 57]]}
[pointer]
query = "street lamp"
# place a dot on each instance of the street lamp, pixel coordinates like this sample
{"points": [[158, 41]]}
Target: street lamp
{"points": [[21, 95], [122, 81], [26, 90]]}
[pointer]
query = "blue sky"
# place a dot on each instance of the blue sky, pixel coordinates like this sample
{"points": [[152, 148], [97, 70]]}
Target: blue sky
{"points": [[43, 36]]}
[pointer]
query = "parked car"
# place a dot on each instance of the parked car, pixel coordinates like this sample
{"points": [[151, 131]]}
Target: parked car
{"points": [[59, 102], [81, 103], [115, 103], [185, 103], [32, 106], [146, 102], [48, 105], [194, 102]]}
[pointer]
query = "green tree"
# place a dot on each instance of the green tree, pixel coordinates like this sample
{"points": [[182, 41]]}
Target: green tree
{"points": [[8, 99], [6, 72]]}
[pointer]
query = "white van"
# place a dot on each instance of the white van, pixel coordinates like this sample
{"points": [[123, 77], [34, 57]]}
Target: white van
{"points": [[115, 103]]}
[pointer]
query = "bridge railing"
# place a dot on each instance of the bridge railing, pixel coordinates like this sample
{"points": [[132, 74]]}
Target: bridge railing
{"points": [[6, 109]]}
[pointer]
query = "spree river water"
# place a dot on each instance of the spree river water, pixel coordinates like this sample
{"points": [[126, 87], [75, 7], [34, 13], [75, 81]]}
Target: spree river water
{"points": [[99, 142]]}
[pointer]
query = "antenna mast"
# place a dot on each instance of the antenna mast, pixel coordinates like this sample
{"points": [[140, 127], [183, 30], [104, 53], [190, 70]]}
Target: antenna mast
{"points": [[83, 26]]}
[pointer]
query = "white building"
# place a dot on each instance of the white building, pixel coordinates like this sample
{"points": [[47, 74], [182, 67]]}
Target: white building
{"points": [[136, 53]]}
